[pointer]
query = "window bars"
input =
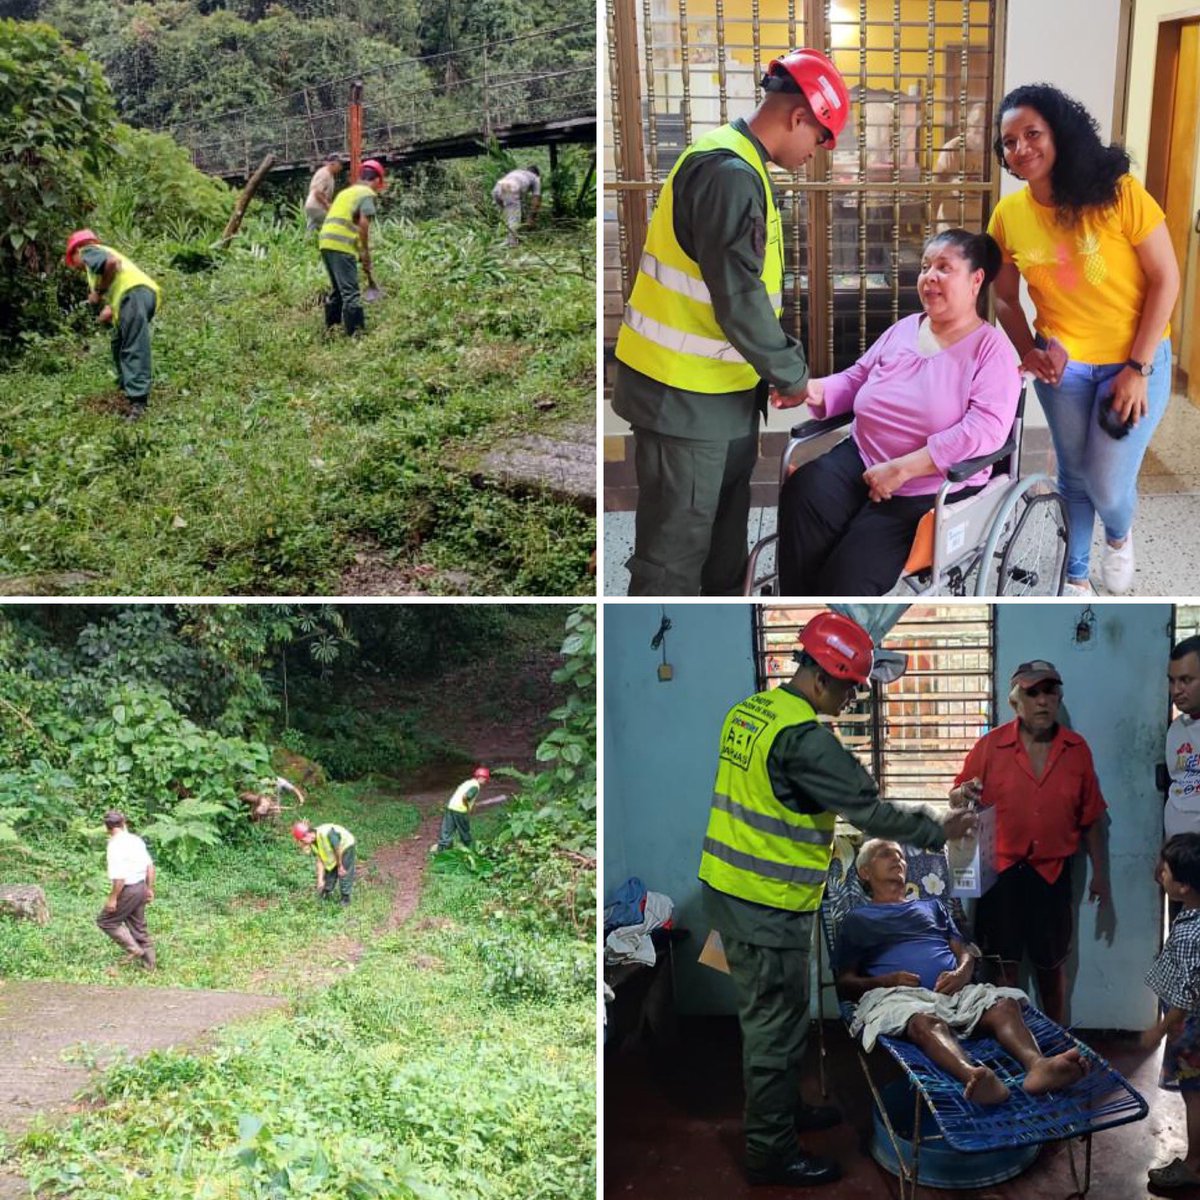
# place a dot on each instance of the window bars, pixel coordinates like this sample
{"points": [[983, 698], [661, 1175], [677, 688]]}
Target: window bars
{"points": [[915, 156]]}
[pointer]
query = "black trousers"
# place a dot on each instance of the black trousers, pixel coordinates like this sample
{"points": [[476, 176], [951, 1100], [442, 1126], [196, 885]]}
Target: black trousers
{"points": [[345, 302], [833, 539]]}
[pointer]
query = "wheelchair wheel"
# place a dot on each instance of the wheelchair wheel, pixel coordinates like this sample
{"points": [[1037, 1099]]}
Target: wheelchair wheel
{"points": [[1034, 559]]}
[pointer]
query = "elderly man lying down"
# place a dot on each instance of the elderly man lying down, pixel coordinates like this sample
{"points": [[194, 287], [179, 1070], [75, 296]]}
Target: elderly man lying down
{"points": [[909, 969]]}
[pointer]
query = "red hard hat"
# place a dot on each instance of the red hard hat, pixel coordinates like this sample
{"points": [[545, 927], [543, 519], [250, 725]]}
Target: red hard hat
{"points": [[301, 830], [841, 647], [481, 773], [375, 165], [822, 85], [81, 237]]}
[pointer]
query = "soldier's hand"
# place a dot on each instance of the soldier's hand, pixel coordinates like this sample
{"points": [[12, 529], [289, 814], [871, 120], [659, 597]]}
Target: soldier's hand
{"points": [[903, 979], [105, 317], [959, 823]]}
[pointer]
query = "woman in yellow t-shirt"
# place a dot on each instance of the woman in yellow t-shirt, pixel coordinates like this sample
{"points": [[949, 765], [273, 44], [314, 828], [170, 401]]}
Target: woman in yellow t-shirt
{"points": [[1093, 248]]}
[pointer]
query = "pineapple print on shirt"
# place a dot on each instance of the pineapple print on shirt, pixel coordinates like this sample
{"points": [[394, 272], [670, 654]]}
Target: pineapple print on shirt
{"points": [[1047, 267], [1095, 269]]}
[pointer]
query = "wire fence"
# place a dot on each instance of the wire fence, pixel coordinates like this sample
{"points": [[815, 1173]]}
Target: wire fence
{"points": [[532, 79]]}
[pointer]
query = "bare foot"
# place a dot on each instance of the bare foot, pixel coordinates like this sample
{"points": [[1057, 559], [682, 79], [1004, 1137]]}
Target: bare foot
{"points": [[1060, 1071], [983, 1086]]}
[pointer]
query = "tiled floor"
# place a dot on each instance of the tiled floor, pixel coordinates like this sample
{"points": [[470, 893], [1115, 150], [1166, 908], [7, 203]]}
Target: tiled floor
{"points": [[1166, 532], [672, 1125]]}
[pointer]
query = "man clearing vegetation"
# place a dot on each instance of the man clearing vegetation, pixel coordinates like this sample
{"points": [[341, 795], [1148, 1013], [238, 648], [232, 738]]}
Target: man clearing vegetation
{"points": [[130, 299], [508, 193], [334, 847], [345, 233], [131, 873], [458, 810]]}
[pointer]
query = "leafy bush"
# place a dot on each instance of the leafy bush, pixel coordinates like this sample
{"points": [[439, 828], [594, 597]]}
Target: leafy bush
{"points": [[56, 124], [152, 185], [529, 967]]}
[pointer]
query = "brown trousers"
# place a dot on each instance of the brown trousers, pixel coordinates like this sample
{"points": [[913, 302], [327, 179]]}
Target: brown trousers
{"points": [[126, 924]]}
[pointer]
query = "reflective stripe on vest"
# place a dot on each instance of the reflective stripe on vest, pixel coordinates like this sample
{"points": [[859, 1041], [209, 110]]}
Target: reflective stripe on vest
{"points": [[128, 275], [464, 797], [670, 331], [325, 851], [339, 230], [755, 847]]}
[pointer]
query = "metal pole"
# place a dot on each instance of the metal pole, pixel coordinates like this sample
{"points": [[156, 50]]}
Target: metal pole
{"points": [[355, 125]]}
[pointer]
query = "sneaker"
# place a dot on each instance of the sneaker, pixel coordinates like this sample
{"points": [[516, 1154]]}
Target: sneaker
{"points": [[1071, 588], [1116, 567]]}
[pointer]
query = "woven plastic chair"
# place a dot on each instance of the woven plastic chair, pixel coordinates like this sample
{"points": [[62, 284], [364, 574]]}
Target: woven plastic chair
{"points": [[1102, 1099]]}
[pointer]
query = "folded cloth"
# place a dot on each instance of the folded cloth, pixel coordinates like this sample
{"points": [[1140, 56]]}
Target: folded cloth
{"points": [[631, 943], [624, 904], [886, 1011]]}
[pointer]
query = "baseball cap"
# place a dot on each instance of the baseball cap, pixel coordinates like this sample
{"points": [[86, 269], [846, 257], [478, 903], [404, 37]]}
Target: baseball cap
{"points": [[1035, 671]]}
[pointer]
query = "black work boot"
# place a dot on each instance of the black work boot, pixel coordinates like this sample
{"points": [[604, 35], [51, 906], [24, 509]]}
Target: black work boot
{"points": [[333, 312], [355, 321], [801, 1171], [811, 1117]]}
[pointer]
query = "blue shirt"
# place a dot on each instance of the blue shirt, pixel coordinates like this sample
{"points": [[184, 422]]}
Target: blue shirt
{"points": [[878, 939]]}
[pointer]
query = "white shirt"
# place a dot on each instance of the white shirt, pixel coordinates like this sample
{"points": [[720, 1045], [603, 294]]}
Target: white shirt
{"points": [[526, 180], [128, 858], [1182, 813]]}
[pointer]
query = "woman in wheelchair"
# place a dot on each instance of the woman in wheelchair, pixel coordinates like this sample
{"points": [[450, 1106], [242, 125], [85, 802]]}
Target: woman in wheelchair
{"points": [[909, 969], [937, 388]]}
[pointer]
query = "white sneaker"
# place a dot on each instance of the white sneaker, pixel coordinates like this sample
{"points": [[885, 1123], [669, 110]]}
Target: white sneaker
{"points": [[1078, 589], [1116, 567]]}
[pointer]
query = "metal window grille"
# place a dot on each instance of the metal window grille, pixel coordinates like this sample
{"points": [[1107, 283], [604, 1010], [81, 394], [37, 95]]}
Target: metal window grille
{"points": [[915, 155], [1187, 622], [912, 735]]}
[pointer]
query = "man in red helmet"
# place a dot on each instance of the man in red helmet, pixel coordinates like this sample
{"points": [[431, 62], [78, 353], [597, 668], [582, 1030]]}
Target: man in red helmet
{"points": [[458, 810], [127, 299], [783, 779], [344, 241], [336, 854], [701, 341]]}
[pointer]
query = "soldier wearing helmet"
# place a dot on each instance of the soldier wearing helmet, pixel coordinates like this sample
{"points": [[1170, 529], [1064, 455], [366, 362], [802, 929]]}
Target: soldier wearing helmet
{"points": [[344, 242], [335, 849], [127, 299], [457, 819], [701, 341], [782, 781]]}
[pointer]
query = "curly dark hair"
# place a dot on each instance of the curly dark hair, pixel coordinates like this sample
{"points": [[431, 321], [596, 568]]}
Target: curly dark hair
{"points": [[1085, 171]]}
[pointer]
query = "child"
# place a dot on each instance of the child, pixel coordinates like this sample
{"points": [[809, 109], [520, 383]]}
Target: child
{"points": [[458, 810], [1175, 978]]}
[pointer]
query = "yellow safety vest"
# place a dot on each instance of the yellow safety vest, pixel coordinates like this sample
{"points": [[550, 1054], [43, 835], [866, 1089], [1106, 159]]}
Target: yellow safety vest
{"points": [[339, 231], [325, 851], [464, 797], [755, 847], [128, 275], [670, 330]]}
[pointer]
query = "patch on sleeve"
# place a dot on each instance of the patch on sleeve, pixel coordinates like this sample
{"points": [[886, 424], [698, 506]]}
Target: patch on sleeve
{"points": [[758, 236]]}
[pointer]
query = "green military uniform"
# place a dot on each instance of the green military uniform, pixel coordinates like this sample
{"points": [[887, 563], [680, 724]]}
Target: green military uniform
{"points": [[457, 819], [133, 297], [339, 245], [329, 838], [696, 432], [782, 780]]}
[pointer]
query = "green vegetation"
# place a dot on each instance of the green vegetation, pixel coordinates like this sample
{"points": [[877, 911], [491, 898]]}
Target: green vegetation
{"points": [[274, 454], [450, 1059]]}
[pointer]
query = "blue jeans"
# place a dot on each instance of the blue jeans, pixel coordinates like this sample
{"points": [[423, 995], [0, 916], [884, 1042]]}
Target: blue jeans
{"points": [[1098, 473]]}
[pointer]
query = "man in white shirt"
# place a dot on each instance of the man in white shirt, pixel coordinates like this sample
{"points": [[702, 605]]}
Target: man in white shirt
{"points": [[320, 191], [131, 873], [508, 192], [1182, 813]]}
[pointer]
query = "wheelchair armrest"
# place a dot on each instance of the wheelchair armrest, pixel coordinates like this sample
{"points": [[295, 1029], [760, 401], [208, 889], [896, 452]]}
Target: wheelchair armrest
{"points": [[970, 466], [805, 430]]}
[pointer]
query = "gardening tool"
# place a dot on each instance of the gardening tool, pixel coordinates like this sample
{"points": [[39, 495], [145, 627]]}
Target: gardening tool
{"points": [[373, 291]]}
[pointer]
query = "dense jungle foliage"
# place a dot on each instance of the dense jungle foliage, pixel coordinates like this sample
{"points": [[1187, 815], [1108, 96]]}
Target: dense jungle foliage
{"points": [[451, 1057]]}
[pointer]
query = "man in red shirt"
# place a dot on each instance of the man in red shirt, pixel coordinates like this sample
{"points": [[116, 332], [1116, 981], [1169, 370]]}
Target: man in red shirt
{"points": [[1039, 777]]}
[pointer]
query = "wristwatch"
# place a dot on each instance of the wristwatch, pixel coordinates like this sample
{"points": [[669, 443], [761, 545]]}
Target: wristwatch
{"points": [[1141, 368]]}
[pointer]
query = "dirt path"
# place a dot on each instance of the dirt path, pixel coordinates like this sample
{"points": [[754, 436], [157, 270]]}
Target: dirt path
{"points": [[39, 1020]]}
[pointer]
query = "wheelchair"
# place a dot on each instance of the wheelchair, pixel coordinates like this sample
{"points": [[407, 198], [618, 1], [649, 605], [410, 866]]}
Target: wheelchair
{"points": [[1009, 539]]}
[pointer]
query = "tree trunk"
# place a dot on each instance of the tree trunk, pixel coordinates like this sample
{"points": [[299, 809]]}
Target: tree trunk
{"points": [[239, 209]]}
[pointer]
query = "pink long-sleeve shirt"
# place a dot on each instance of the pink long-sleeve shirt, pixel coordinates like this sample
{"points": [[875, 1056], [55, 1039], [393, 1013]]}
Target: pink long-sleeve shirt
{"points": [[957, 403]]}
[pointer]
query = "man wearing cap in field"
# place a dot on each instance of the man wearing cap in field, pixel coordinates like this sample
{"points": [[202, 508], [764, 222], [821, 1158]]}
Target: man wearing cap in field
{"points": [[701, 342], [131, 876], [320, 191], [128, 299], [1039, 777]]}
